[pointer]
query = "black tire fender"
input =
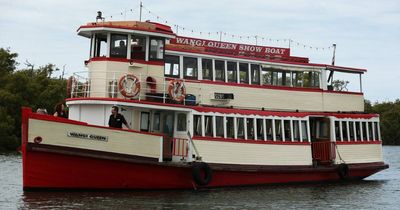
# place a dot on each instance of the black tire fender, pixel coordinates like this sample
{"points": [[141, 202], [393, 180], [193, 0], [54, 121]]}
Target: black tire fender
{"points": [[202, 173], [343, 171]]}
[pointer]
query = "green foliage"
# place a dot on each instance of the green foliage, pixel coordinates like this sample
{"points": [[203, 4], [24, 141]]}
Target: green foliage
{"points": [[30, 87], [389, 119]]}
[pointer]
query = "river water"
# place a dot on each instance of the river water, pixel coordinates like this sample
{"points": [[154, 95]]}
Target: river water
{"points": [[380, 191]]}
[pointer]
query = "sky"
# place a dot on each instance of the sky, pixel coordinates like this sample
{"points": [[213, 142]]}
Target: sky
{"points": [[367, 32]]}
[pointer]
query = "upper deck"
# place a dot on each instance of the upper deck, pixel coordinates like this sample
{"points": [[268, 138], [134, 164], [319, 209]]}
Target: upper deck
{"points": [[214, 73]]}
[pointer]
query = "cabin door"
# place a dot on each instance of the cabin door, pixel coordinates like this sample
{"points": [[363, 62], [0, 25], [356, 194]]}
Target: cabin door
{"points": [[323, 149], [168, 131]]}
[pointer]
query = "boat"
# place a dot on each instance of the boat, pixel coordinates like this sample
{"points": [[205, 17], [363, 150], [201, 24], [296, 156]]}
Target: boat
{"points": [[201, 114]]}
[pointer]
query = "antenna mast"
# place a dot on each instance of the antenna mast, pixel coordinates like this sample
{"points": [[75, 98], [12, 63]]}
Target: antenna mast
{"points": [[141, 6], [334, 52]]}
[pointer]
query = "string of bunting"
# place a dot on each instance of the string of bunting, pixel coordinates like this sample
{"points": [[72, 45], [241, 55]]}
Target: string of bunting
{"points": [[221, 34]]}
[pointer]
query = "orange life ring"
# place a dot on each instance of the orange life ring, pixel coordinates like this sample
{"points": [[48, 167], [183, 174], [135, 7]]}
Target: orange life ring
{"points": [[177, 90], [70, 84], [129, 91]]}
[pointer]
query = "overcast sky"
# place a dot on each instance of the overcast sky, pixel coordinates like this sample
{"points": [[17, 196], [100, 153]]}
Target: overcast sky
{"points": [[367, 32]]}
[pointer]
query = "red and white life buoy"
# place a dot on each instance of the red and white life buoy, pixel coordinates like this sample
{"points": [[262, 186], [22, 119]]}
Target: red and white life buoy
{"points": [[177, 90], [129, 85]]}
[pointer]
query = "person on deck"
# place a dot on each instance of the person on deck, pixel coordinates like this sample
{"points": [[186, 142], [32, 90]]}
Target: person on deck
{"points": [[116, 119], [59, 111]]}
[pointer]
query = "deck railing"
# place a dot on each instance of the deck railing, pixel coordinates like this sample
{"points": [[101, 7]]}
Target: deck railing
{"points": [[106, 85], [180, 147], [323, 152]]}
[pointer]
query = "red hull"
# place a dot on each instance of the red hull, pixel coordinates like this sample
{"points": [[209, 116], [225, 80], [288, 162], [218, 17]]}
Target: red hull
{"points": [[53, 170]]}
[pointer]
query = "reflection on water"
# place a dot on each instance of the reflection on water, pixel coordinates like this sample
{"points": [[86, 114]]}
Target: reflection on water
{"points": [[380, 191]]}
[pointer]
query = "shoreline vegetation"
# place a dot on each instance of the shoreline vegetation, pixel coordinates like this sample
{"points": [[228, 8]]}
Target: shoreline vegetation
{"points": [[38, 88]]}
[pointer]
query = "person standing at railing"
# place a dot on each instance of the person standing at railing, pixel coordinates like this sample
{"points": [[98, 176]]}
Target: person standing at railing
{"points": [[116, 119]]}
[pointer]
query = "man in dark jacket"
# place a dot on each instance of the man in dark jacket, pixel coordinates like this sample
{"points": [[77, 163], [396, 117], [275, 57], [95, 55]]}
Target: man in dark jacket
{"points": [[116, 119]]}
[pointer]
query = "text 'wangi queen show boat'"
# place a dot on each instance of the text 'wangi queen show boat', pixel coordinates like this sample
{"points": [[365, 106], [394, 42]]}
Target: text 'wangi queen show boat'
{"points": [[201, 113]]}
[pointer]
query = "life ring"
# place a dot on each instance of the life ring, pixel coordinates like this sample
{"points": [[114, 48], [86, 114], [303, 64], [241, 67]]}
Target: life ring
{"points": [[129, 91], [177, 90], [343, 171], [71, 86], [202, 173]]}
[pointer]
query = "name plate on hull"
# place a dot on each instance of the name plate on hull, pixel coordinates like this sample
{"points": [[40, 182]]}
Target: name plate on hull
{"points": [[87, 136]]}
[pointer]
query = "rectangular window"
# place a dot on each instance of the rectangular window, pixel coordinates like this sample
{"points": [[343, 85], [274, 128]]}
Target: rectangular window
{"points": [[344, 131], [219, 121], [311, 79], [197, 128], [269, 130], [156, 49], [255, 74], [156, 121], [278, 130], [244, 73], [376, 127], [267, 76], [118, 47], [208, 126], [138, 48], [181, 122], [144, 121], [240, 128], [171, 67], [364, 131], [219, 70], [232, 67], [296, 130], [337, 130], [207, 69], [250, 128], [324, 129], [287, 129], [230, 130], [297, 78], [358, 131], [190, 68], [351, 131], [370, 132], [260, 129], [314, 79], [304, 130], [284, 78]]}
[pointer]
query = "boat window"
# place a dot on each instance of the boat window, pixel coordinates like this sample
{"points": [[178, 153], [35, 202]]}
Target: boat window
{"points": [[240, 127], [208, 126], [250, 128], [304, 130], [269, 130], [230, 130], [190, 67], [232, 67], [118, 48], [266, 76], [260, 129], [219, 128], [296, 130], [358, 131], [344, 131], [156, 49], [207, 69], [323, 132], [219, 70], [100, 45], [156, 121], [255, 74], [314, 79], [281, 78], [244, 73], [171, 67], [310, 79], [370, 132], [351, 131], [376, 127], [287, 129], [278, 130], [197, 125], [181, 124], [138, 47], [364, 130], [144, 121], [337, 130], [297, 78]]}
